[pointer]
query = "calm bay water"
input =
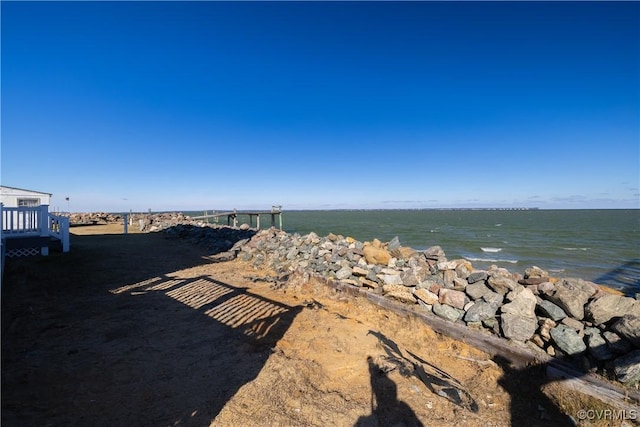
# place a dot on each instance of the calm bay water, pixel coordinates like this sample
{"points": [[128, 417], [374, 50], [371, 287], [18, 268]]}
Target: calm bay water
{"points": [[597, 245]]}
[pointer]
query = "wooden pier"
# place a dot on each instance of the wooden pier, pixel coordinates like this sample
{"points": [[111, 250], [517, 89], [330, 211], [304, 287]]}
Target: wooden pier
{"points": [[232, 216]]}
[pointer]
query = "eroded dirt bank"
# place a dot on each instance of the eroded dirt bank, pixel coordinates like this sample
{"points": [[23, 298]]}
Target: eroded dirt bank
{"points": [[141, 330]]}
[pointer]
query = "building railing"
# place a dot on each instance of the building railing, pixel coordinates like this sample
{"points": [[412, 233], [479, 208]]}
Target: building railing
{"points": [[59, 228], [34, 221], [23, 220]]}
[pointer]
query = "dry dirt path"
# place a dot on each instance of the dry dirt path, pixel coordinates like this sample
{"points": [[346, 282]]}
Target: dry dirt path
{"points": [[141, 330]]}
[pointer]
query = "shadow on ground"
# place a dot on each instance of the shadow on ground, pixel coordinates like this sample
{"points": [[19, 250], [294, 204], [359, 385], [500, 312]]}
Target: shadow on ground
{"points": [[386, 409], [529, 405], [109, 335]]}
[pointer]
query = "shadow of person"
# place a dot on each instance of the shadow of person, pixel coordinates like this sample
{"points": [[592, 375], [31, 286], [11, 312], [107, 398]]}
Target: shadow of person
{"points": [[529, 405], [386, 409]]}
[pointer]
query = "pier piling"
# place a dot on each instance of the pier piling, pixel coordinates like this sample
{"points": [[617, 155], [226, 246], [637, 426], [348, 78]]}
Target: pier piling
{"points": [[232, 216]]}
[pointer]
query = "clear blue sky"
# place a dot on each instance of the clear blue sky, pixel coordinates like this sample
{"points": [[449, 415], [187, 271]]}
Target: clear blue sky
{"points": [[212, 105]]}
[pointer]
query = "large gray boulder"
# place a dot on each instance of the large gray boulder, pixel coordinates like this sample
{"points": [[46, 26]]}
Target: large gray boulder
{"points": [[344, 273], [597, 345], [627, 368], [435, 253], [572, 295], [552, 311], [426, 296], [608, 306], [479, 312], [493, 298], [476, 290], [629, 328], [518, 319], [447, 312], [413, 276], [390, 279], [616, 343], [535, 272], [477, 276], [523, 303], [516, 327], [567, 339], [501, 284], [453, 298]]}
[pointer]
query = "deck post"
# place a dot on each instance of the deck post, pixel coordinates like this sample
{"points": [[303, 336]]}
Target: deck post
{"points": [[2, 248], [280, 219], [258, 221], [64, 232], [43, 226]]}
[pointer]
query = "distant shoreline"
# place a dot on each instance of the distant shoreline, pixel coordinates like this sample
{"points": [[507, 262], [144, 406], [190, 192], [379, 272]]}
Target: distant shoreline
{"points": [[186, 211]]}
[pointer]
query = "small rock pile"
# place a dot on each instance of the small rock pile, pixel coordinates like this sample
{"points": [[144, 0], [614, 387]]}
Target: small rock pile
{"points": [[161, 221], [566, 317], [94, 218], [143, 221], [222, 242]]}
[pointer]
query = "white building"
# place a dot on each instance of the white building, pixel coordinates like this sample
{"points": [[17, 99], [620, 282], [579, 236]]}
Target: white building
{"points": [[26, 226], [12, 197]]}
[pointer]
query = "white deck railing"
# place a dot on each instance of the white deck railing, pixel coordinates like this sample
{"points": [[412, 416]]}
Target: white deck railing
{"points": [[25, 221], [59, 228], [34, 221]]}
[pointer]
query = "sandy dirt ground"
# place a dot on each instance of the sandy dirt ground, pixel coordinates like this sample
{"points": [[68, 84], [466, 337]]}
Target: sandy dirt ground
{"points": [[143, 330]]}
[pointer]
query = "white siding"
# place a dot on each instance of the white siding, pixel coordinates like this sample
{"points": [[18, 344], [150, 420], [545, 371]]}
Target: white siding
{"points": [[13, 197]]}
